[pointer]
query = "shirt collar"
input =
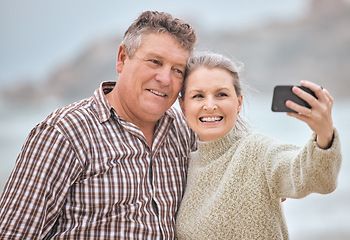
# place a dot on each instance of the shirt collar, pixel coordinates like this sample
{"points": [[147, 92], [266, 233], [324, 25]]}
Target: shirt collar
{"points": [[104, 108]]}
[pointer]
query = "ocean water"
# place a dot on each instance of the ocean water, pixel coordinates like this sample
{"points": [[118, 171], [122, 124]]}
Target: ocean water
{"points": [[313, 217]]}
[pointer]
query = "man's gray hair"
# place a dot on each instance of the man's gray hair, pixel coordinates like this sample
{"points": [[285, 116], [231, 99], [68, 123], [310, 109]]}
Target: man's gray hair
{"points": [[158, 22]]}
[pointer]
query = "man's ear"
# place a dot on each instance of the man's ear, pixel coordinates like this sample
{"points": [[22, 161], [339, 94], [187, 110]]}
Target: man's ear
{"points": [[121, 58]]}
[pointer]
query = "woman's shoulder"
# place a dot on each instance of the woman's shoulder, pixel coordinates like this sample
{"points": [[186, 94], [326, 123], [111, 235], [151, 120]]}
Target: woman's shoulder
{"points": [[257, 142], [257, 138]]}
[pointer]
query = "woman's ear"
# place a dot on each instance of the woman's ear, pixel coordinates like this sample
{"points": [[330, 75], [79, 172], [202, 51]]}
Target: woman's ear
{"points": [[122, 55], [240, 101], [181, 103]]}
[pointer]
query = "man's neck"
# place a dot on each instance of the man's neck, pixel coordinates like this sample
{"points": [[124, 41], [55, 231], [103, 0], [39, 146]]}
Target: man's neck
{"points": [[146, 126]]}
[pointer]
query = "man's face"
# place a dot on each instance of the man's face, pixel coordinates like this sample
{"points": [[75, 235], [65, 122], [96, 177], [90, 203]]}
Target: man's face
{"points": [[149, 82]]}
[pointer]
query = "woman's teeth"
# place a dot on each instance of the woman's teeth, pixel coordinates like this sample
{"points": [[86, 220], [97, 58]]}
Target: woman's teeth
{"points": [[210, 119]]}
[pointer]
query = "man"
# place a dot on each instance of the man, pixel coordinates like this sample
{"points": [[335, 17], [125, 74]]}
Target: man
{"points": [[112, 166]]}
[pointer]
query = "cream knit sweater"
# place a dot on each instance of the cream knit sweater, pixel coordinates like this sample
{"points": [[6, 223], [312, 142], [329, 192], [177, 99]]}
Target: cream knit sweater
{"points": [[235, 184]]}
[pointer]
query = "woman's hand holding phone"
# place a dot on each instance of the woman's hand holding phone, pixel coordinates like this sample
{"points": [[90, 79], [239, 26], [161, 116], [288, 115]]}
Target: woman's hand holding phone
{"points": [[319, 116]]}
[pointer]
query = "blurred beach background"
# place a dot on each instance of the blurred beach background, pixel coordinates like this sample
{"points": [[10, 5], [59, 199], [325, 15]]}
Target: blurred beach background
{"points": [[53, 53]]}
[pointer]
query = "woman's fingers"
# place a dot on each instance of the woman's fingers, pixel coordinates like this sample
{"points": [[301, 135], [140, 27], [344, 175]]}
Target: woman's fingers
{"points": [[319, 116]]}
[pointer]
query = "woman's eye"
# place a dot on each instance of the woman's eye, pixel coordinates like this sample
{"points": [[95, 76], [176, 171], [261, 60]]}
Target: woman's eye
{"points": [[222, 95], [198, 96]]}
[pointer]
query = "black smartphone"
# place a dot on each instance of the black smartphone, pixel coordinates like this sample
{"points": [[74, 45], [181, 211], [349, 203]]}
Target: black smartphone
{"points": [[282, 93]]}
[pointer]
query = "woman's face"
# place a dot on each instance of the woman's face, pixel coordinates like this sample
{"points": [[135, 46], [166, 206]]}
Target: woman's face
{"points": [[210, 103]]}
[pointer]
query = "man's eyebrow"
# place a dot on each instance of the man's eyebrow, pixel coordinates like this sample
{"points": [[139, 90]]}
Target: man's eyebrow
{"points": [[183, 65], [155, 55]]}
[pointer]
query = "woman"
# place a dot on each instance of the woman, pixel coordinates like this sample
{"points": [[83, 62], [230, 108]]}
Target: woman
{"points": [[236, 178]]}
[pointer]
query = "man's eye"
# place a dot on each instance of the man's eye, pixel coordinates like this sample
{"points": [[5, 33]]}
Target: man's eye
{"points": [[155, 61], [178, 71]]}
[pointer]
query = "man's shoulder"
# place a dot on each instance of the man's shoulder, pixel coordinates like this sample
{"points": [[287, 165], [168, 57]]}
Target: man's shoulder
{"points": [[179, 131], [93, 107], [177, 116], [71, 113], [175, 113]]}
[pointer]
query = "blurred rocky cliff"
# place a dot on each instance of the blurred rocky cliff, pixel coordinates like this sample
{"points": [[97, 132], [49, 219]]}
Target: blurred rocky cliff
{"points": [[315, 47]]}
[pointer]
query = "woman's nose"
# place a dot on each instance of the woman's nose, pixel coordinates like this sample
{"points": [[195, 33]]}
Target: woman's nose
{"points": [[210, 105]]}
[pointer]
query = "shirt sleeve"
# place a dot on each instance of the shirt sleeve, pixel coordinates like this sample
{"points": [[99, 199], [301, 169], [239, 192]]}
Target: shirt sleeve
{"points": [[295, 172], [37, 187]]}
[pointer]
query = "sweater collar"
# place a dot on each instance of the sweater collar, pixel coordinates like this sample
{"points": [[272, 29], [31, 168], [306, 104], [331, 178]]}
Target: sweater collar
{"points": [[212, 150]]}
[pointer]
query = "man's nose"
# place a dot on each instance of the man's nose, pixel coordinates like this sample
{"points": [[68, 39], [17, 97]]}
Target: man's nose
{"points": [[164, 76]]}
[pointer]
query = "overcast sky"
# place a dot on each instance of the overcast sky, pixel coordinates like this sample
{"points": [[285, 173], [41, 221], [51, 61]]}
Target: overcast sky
{"points": [[37, 35]]}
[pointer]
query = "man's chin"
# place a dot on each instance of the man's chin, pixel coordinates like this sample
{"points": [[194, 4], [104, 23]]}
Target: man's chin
{"points": [[155, 111], [157, 108]]}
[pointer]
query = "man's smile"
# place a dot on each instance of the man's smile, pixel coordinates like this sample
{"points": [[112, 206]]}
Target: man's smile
{"points": [[157, 93]]}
